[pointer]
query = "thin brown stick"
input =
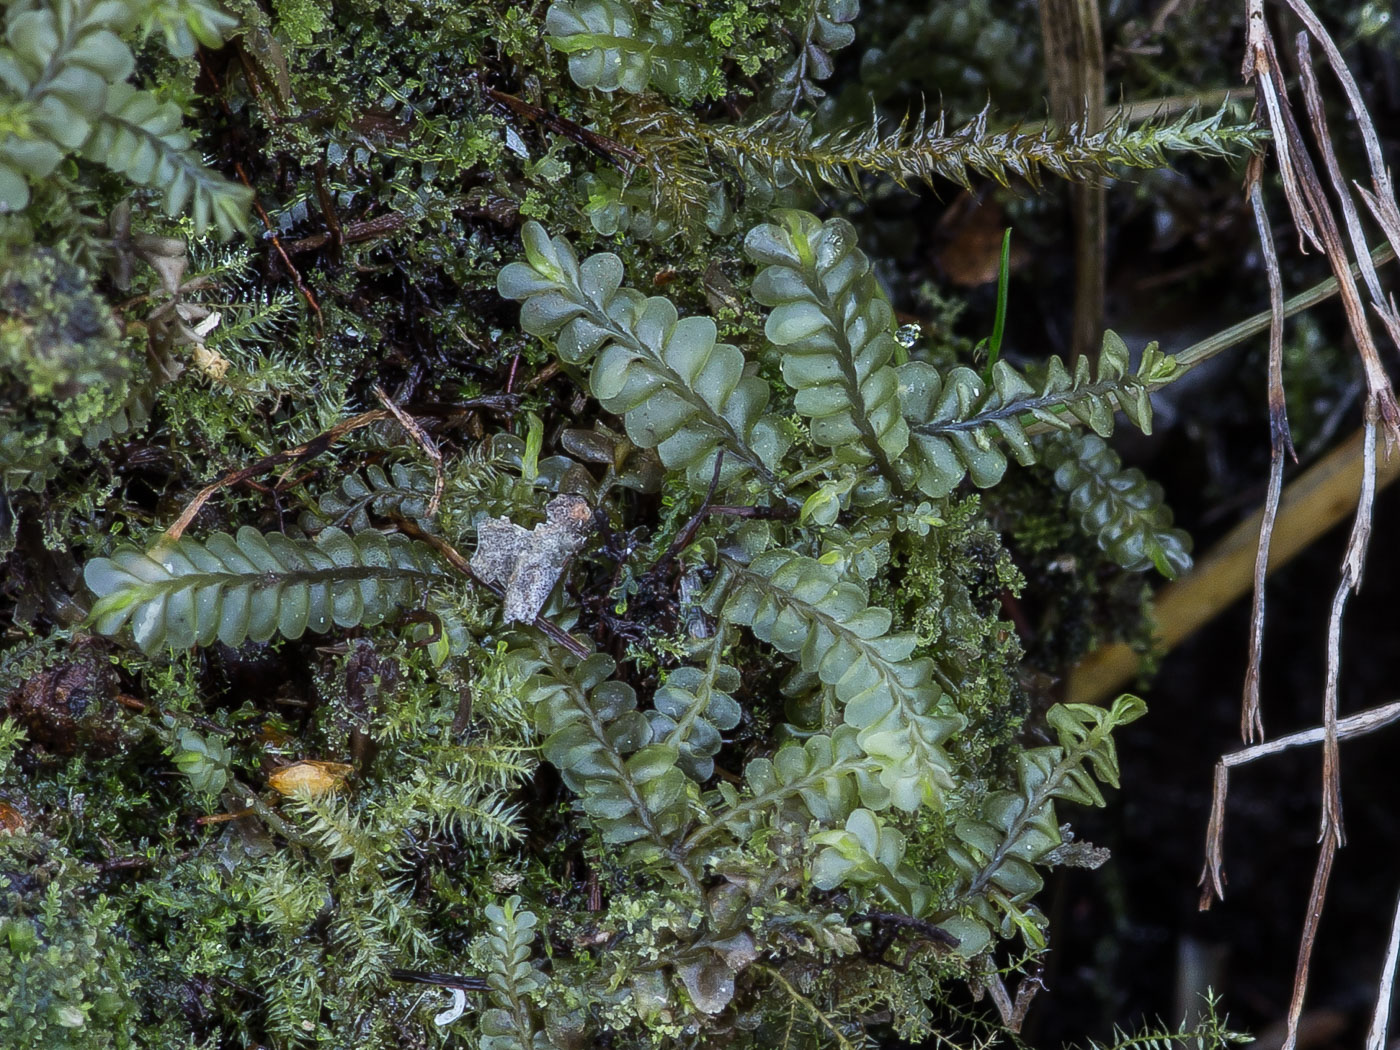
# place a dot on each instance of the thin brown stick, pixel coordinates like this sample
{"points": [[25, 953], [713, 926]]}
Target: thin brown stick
{"points": [[607, 148], [1074, 63], [328, 211], [1251, 721], [314, 447], [1322, 875], [1261, 65], [1380, 1020], [292, 271], [426, 443], [1350, 581], [365, 230]]}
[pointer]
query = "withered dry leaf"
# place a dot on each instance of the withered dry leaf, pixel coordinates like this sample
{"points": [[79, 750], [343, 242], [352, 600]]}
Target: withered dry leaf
{"points": [[11, 819], [527, 563], [310, 777]]}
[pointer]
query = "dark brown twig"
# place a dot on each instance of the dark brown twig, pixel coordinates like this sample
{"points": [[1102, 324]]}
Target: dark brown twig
{"points": [[286, 259], [365, 230], [328, 211], [607, 148], [442, 980], [314, 447]]}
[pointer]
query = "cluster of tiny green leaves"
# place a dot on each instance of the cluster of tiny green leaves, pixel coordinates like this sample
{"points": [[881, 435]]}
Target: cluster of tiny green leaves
{"points": [[65, 376], [826, 28], [76, 956], [64, 91], [611, 48]]}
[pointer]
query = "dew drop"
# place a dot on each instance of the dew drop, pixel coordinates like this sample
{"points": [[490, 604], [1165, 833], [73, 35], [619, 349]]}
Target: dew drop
{"points": [[834, 245], [908, 335]]}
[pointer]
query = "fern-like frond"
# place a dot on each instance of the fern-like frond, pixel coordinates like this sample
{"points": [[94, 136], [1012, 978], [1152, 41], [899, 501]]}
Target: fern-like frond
{"points": [[809, 610], [868, 856], [631, 788], [142, 138], [691, 711], [956, 419], [678, 389], [405, 490], [1120, 507], [513, 980], [836, 330], [65, 68], [995, 853], [822, 778], [254, 586], [923, 150]]}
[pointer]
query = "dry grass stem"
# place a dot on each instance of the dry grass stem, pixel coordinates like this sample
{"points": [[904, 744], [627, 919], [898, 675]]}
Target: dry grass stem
{"points": [[1380, 1021], [1251, 721], [1074, 61], [1316, 222], [1360, 724], [314, 447]]}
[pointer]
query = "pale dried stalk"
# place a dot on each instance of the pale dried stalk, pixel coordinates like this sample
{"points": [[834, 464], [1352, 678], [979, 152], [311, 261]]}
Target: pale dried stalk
{"points": [[427, 444], [1251, 721], [1212, 876], [314, 447], [1380, 1021], [1074, 64], [1316, 223], [1385, 213]]}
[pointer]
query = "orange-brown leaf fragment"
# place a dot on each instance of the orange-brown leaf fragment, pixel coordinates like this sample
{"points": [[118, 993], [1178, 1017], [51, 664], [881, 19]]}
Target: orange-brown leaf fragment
{"points": [[310, 777], [11, 820]]}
